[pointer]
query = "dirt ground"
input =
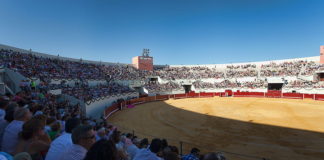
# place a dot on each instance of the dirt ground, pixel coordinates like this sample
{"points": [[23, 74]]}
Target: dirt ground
{"points": [[276, 129]]}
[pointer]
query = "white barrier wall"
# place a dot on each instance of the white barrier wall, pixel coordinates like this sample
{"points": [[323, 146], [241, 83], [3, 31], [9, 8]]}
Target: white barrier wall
{"points": [[95, 109]]}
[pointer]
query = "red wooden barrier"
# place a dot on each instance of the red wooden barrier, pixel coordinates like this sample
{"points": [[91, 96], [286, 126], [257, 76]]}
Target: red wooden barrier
{"points": [[309, 96], [162, 97], [203, 94], [110, 110], [180, 96], [192, 95], [150, 99], [319, 97], [248, 94], [292, 95], [273, 94]]}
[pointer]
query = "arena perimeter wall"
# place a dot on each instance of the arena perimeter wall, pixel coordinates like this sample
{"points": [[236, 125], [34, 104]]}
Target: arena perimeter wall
{"points": [[270, 94]]}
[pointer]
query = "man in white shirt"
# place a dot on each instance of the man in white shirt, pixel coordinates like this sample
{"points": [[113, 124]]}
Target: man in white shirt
{"points": [[83, 137], [63, 142], [150, 153], [131, 151]]}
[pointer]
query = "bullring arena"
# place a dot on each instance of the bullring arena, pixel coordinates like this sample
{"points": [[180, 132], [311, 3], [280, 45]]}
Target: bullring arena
{"points": [[270, 110], [270, 128]]}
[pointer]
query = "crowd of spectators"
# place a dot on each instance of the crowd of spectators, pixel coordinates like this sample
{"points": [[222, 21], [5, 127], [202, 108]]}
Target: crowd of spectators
{"points": [[163, 87], [39, 126], [173, 73], [243, 66], [241, 73], [311, 68], [230, 84], [87, 93], [282, 69], [33, 66], [203, 85], [48, 68], [254, 84], [304, 84]]}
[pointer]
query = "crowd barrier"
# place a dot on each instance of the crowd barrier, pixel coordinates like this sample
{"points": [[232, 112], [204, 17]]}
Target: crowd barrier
{"points": [[270, 94]]}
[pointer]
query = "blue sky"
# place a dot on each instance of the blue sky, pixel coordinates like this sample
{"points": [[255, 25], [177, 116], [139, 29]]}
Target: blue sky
{"points": [[176, 31]]}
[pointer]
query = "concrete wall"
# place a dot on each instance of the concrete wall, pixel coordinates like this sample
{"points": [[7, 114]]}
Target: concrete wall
{"points": [[12, 79]]}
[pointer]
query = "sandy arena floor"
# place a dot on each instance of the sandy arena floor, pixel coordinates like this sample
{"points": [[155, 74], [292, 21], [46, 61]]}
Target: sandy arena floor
{"points": [[277, 129]]}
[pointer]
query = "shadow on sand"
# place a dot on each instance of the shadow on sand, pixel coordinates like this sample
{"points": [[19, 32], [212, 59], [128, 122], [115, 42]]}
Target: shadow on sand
{"points": [[239, 140]]}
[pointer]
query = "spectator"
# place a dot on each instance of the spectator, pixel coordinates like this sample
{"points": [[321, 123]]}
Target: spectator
{"points": [[55, 130], [131, 150], [101, 134], [214, 156], [30, 139], [10, 136], [144, 143], [115, 138], [102, 150], [63, 142], [83, 137], [3, 106], [8, 119], [150, 153], [194, 155], [170, 156]]}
